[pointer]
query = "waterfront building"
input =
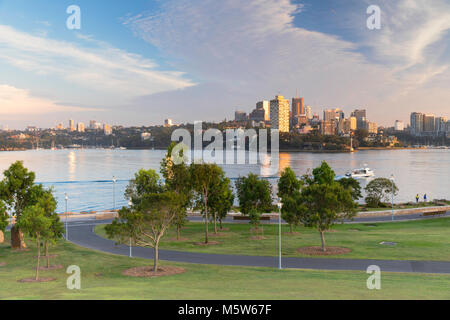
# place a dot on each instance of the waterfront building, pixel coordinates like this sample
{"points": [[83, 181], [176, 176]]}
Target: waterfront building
{"points": [[428, 123], [279, 114], [297, 107], [399, 125], [333, 114], [328, 128], [266, 106], [416, 123], [258, 115], [81, 127], [71, 126], [361, 117], [107, 130], [240, 116], [168, 123], [440, 125]]}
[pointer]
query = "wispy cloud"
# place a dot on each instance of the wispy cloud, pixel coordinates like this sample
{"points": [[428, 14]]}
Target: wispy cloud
{"points": [[98, 67], [16, 101], [253, 50]]}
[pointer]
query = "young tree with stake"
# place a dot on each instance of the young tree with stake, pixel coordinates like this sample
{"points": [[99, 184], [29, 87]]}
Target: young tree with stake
{"points": [[288, 187]]}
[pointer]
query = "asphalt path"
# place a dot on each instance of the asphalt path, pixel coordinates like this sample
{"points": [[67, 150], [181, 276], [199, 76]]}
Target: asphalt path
{"points": [[82, 233]]}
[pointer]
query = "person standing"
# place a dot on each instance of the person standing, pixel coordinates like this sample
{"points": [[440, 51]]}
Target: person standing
{"points": [[417, 198], [425, 198]]}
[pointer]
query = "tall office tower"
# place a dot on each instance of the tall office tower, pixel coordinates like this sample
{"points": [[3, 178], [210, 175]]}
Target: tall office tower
{"points": [[297, 107], [240, 116], [399, 125], [107, 130], [266, 106], [361, 117], [333, 114], [279, 114], [308, 112], [92, 124], [428, 123], [416, 123], [440, 124], [80, 127], [71, 125]]}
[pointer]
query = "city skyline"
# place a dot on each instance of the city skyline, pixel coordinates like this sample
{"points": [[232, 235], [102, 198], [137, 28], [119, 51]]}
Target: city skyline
{"points": [[140, 63]]}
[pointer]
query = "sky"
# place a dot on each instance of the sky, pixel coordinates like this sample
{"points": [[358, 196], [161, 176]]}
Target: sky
{"points": [[140, 62]]}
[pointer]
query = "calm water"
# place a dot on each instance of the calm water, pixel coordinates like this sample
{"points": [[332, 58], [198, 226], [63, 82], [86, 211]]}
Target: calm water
{"points": [[86, 174]]}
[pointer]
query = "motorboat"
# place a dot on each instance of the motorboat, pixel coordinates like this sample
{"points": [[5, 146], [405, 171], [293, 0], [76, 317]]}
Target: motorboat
{"points": [[360, 173]]}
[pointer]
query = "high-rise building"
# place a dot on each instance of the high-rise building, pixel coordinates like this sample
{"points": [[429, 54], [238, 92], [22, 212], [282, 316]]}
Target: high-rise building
{"points": [[279, 114], [399, 125], [71, 125], [328, 128], [81, 127], [428, 123], [240, 116], [308, 112], [440, 125], [297, 107], [416, 123], [361, 118], [266, 106], [333, 114], [59, 126], [168, 123]]}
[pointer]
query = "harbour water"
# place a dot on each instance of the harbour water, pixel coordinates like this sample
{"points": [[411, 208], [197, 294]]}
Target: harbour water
{"points": [[86, 175]]}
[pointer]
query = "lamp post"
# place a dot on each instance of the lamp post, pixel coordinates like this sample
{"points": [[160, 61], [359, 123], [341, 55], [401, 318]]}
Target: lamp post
{"points": [[66, 198], [114, 192], [131, 252], [279, 233], [392, 180]]}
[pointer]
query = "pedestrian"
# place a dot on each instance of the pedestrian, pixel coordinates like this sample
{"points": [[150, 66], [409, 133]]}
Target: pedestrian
{"points": [[417, 198], [425, 197]]}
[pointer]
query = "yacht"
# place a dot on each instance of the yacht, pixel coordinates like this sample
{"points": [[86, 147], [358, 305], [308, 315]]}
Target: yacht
{"points": [[360, 173]]}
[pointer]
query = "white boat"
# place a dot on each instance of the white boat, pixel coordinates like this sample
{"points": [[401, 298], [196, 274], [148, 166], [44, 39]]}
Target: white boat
{"points": [[360, 173]]}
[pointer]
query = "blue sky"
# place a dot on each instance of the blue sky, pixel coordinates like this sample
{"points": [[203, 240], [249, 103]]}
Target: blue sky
{"points": [[139, 62]]}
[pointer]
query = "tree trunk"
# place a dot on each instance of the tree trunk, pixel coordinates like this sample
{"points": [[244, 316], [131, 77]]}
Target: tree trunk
{"points": [[220, 224], [47, 254], [215, 223], [156, 260], [290, 227], [178, 232], [38, 256], [322, 237], [206, 217], [17, 241]]}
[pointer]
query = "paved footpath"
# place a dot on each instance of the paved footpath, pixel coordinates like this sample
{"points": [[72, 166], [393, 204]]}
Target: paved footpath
{"points": [[82, 233]]}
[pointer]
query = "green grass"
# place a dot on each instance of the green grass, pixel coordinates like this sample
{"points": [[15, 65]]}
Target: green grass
{"points": [[416, 240], [102, 279]]}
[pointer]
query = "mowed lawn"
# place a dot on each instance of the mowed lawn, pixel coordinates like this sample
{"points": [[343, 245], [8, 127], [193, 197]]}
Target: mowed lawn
{"points": [[416, 240], [101, 278]]}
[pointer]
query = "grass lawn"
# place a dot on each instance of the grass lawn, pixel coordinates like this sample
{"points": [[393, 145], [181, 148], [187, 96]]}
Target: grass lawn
{"points": [[416, 240], [102, 279]]}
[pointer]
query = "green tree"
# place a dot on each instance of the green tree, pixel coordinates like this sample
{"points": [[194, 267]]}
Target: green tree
{"points": [[255, 197], [147, 221], [48, 203], [18, 191], [220, 200], [177, 178], [378, 190], [205, 178], [144, 182], [324, 202], [288, 187], [37, 225], [4, 221], [354, 185]]}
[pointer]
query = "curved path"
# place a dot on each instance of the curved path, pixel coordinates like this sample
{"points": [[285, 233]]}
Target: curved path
{"points": [[82, 233]]}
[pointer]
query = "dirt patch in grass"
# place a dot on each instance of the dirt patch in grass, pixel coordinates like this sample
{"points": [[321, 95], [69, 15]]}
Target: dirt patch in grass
{"points": [[210, 243], [52, 267], [147, 272], [354, 230], [33, 280], [21, 250], [2, 264], [220, 234], [257, 238], [224, 229], [317, 251]]}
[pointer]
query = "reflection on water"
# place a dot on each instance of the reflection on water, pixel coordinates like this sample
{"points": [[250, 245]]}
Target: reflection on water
{"points": [[86, 175]]}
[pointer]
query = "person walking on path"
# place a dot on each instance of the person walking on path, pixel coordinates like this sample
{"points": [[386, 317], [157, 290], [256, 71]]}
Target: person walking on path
{"points": [[417, 198], [425, 198]]}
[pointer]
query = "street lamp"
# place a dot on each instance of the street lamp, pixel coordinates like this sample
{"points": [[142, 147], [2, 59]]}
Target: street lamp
{"points": [[392, 180], [279, 204], [114, 192], [131, 252], [66, 197]]}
